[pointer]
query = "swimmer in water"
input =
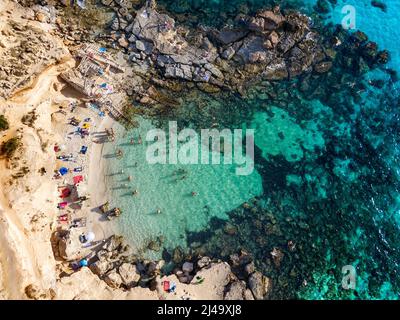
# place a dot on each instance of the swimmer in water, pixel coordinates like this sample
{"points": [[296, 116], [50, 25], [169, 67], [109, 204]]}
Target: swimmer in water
{"points": [[140, 140], [194, 194], [135, 192], [158, 211], [129, 178], [132, 141]]}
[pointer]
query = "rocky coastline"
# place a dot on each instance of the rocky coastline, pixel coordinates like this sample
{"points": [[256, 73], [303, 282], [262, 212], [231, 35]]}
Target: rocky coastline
{"points": [[162, 58]]}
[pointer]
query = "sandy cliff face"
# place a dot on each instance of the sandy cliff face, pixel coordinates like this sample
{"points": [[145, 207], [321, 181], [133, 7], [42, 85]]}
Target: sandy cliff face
{"points": [[32, 59]]}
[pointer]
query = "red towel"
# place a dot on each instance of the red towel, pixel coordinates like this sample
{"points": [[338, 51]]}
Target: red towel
{"points": [[65, 193], [78, 179], [166, 286], [62, 205]]}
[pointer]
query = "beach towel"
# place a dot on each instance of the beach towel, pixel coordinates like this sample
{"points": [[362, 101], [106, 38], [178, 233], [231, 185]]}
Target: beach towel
{"points": [[63, 218], [77, 179], [65, 193], [62, 205], [83, 150], [166, 286]]}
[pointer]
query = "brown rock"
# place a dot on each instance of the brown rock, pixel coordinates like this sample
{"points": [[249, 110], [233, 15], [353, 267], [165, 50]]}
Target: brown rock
{"points": [[277, 256], [113, 279], [236, 291], [41, 17], [323, 67], [129, 274], [259, 285], [207, 87], [123, 42]]}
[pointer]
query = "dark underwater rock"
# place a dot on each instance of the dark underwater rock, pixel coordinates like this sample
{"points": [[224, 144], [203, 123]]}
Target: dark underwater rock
{"points": [[322, 6], [380, 5]]}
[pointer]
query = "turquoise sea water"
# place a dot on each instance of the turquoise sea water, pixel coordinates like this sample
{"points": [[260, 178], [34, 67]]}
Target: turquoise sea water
{"points": [[327, 175], [169, 188]]}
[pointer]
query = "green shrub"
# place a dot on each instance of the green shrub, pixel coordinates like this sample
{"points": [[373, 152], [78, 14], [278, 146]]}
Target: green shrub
{"points": [[3, 123], [9, 147]]}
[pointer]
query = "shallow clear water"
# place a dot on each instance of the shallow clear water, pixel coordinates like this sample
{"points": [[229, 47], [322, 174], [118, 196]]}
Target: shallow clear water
{"points": [[163, 187], [327, 176]]}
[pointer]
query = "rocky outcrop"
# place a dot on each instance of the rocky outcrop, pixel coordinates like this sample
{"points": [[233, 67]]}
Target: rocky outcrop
{"points": [[129, 274], [236, 291], [69, 246], [113, 279], [259, 285], [26, 51], [269, 46]]}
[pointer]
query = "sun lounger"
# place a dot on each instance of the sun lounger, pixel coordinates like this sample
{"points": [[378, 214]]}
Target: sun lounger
{"points": [[83, 150], [79, 223]]}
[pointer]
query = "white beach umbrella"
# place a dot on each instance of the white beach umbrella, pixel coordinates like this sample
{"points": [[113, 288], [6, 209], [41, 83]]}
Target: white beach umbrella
{"points": [[90, 236]]}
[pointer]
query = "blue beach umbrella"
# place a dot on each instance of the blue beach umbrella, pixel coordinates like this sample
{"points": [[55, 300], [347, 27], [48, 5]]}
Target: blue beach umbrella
{"points": [[63, 171]]}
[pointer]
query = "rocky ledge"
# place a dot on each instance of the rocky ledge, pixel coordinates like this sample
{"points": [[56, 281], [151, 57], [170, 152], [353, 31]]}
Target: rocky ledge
{"points": [[193, 277], [26, 50], [268, 46]]}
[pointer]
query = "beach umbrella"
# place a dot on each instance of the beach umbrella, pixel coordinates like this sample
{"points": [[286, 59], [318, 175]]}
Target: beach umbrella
{"points": [[63, 171], [90, 236], [83, 263]]}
